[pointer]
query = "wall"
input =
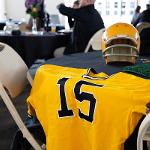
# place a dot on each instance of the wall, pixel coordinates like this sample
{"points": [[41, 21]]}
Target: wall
{"points": [[50, 6], [15, 8], [2, 10]]}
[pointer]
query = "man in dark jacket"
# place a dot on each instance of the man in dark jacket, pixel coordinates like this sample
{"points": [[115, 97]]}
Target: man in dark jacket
{"points": [[144, 16], [87, 22], [71, 20]]}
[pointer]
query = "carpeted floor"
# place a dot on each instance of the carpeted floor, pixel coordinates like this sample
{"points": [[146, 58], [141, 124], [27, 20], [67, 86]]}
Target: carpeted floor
{"points": [[7, 124]]}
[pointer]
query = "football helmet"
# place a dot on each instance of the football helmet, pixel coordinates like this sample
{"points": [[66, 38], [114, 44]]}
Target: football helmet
{"points": [[120, 42]]}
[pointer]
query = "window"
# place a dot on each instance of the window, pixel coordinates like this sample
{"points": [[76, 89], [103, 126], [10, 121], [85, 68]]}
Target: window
{"points": [[131, 12], [99, 5], [122, 12], [115, 12], [123, 5], [107, 4], [115, 4], [107, 12], [100, 12], [132, 5]]}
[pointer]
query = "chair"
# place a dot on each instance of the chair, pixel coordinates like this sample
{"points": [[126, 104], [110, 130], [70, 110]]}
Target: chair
{"points": [[13, 79], [142, 25], [59, 52], [95, 41], [144, 132], [23, 27]]}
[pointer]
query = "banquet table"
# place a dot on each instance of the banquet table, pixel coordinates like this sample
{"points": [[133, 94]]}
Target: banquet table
{"points": [[2, 24], [89, 60], [92, 59], [31, 47]]}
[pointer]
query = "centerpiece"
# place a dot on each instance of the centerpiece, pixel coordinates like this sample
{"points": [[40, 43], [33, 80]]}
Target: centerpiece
{"points": [[33, 8]]}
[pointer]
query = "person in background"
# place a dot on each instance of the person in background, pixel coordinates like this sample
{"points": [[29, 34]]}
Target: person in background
{"points": [[144, 16], [70, 19], [87, 22], [136, 14], [47, 22], [39, 19]]}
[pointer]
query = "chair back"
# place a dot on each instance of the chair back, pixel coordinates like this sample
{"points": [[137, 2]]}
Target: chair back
{"points": [[144, 132], [13, 70], [59, 52], [23, 27], [142, 25], [95, 40], [13, 77]]}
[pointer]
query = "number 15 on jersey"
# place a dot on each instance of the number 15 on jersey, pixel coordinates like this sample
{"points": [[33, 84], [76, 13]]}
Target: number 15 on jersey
{"points": [[80, 96]]}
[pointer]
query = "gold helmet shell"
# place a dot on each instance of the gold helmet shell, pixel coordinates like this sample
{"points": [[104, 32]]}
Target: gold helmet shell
{"points": [[120, 42]]}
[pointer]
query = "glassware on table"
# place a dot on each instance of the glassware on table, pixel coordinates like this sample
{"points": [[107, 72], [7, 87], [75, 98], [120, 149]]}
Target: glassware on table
{"points": [[53, 28], [34, 26]]}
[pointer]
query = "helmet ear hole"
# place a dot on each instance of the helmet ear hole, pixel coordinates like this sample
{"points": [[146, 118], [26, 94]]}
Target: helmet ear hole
{"points": [[120, 43]]}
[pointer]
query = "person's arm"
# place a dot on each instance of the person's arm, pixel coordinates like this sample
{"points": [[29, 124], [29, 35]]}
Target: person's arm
{"points": [[70, 12], [137, 21], [71, 22]]}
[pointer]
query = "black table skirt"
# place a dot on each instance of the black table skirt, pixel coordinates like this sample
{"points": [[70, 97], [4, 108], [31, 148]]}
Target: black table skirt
{"points": [[2, 24], [32, 47]]}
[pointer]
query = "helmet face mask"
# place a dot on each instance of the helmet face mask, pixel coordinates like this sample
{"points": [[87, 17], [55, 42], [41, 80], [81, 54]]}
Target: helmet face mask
{"points": [[120, 43]]}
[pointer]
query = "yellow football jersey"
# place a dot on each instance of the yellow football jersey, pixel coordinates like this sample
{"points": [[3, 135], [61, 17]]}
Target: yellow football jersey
{"points": [[87, 111]]}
